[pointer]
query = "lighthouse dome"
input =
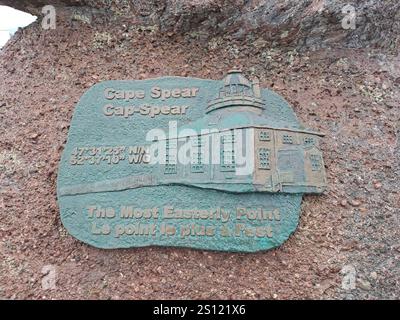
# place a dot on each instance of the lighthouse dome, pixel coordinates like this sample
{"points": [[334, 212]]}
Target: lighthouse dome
{"points": [[239, 93], [236, 78]]}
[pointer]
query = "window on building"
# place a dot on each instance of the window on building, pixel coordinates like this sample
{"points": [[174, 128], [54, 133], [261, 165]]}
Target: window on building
{"points": [[315, 162], [233, 89], [309, 141], [264, 158], [287, 139], [170, 156], [228, 151], [197, 164], [264, 136]]}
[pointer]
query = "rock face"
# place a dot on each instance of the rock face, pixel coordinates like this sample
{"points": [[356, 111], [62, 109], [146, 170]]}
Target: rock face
{"points": [[347, 242], [305, 24]]}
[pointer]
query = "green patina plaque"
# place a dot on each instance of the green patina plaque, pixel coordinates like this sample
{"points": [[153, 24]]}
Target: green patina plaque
{"points": [[186, 162]]}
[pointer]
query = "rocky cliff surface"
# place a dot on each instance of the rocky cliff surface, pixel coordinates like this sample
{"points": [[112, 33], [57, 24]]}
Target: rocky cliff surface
{"points": [[300, 23]]}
